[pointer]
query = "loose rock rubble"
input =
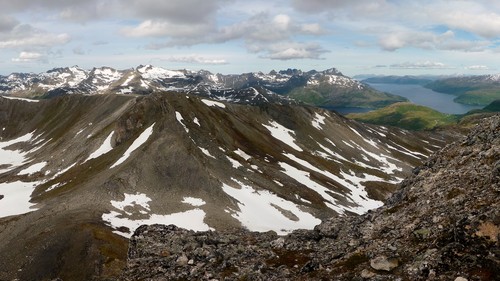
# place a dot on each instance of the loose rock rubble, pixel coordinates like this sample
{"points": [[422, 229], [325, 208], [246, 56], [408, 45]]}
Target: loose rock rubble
{"points": [[442, 224]]}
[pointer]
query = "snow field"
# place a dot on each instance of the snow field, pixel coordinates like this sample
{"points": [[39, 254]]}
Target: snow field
{"points": [[16, 198], [191, 219], [260, 211], [13, 158]]}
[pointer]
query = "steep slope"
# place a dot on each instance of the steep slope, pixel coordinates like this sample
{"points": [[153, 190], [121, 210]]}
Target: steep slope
{"points": [[79, 173], [442, 224], [323, 88]]}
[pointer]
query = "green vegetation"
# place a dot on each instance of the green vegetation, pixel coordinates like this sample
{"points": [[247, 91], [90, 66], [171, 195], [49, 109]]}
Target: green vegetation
{"points": [[479, 97], [324, 95], [493, 107], [469, 90], [408, 116]]}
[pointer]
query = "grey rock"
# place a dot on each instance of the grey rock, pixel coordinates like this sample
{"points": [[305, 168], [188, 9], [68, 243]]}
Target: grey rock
{"points": [[384, 263]]}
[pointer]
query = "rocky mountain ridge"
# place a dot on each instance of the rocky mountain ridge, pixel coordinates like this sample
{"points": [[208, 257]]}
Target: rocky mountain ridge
{"points": [[442, 224], [324, 88], [79, 173]]}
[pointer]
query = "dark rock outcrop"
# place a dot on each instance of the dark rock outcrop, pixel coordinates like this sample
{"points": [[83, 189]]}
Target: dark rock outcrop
{"points": [[442, 224]]}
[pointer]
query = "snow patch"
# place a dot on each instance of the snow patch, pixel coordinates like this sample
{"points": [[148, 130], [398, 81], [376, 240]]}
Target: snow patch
{"points": [[283, 134], [179, 118], [22, 99], [357, 195], [235, 163], [103, 149], [242, 154], [197, 122], [35, 168], [17, 196], [206, 152], [13, 158], [263, 211], [195, 202], [318, 121], [138, 205], [213, 103]]}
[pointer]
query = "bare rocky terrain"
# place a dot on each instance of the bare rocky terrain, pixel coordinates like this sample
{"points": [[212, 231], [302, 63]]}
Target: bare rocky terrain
{"points": [[82, 172], [443, 223]]}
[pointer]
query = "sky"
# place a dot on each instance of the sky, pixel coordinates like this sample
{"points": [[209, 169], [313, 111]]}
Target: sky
{"points": [[390, 37]]}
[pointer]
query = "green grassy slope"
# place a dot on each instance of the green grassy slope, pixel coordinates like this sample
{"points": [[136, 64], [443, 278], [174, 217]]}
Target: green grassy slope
{"points": [[469, 90], [406, 115], [325, 95]]}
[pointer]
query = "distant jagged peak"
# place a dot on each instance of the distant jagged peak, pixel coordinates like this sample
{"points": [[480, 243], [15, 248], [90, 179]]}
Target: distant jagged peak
{"points": [[154, 72], [333, 71], [291, 72], [69, 69], [494, 77]]}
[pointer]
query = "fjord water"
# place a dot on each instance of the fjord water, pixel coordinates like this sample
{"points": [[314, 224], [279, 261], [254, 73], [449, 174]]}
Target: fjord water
{"points": [[426, 97]]}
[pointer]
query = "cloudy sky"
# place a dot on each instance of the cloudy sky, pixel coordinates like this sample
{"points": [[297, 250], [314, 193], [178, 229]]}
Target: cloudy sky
{"points": [[234, 36]]}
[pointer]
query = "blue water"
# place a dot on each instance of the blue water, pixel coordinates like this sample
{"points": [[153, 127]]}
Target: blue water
{"points": [[426, 97]]}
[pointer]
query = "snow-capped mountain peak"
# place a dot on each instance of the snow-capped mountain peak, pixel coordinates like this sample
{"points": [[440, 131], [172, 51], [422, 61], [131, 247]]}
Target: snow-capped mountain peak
{"points": [[147, 79]]}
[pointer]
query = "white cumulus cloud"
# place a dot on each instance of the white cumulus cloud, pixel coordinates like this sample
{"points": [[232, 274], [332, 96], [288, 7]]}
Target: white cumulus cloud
{"points": [[29, 57], [197, 59], [421, 65]]}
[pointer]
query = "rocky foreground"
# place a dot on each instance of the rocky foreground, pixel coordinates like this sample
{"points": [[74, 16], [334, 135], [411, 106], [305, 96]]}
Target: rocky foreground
{"points": [[443, 224]]}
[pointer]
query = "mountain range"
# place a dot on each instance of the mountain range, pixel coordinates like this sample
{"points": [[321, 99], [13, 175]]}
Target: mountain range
{"points": [[329, 88], [79, 173]]}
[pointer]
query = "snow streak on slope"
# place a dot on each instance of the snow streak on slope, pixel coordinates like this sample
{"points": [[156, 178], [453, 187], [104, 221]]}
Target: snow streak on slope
{"points": [[283, 134], [242, 154], [180, 119], [103, 149], [23, 99], [33, 168], [234, 163], [263, 211], [135, 145], [357, 196], [213, 103]]}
